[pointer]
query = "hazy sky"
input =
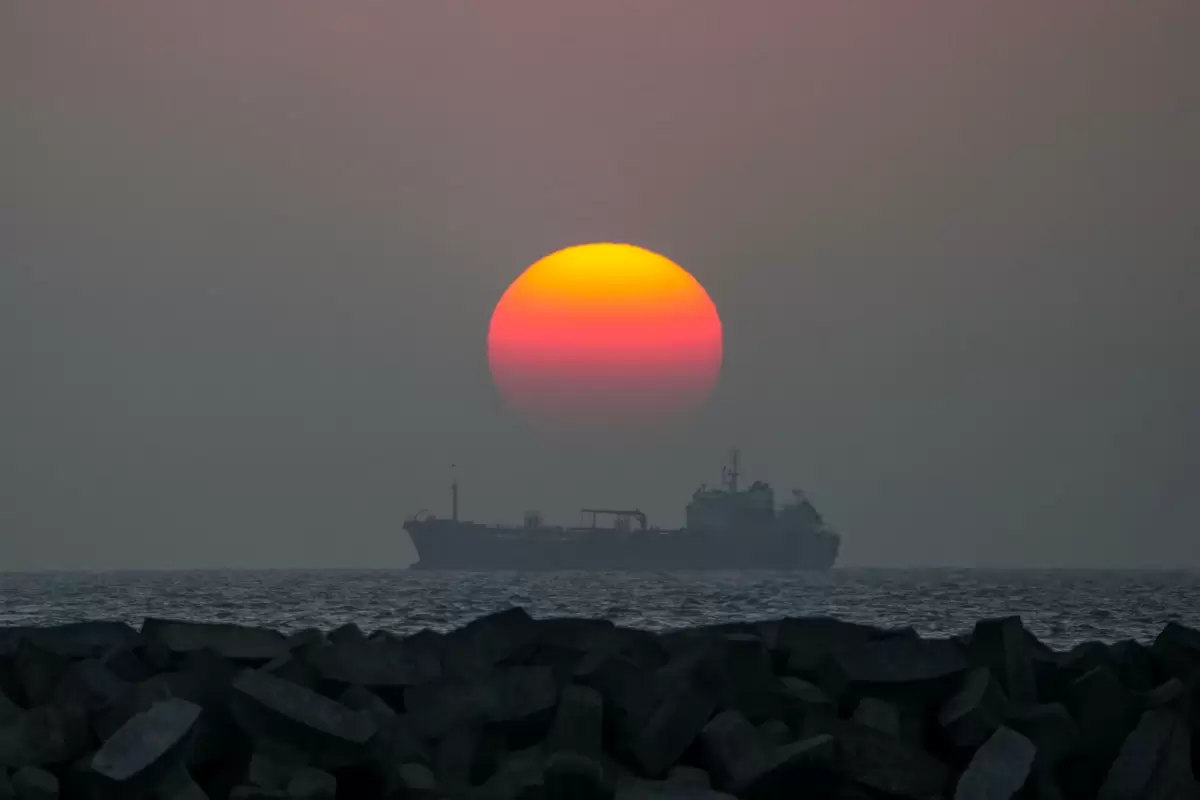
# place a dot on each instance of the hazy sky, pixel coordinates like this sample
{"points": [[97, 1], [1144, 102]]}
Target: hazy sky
{"points": [[248, 253]]}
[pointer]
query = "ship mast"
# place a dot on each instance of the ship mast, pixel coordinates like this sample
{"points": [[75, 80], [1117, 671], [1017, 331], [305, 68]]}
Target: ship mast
{"points": [[731, 474], [454, 493]]}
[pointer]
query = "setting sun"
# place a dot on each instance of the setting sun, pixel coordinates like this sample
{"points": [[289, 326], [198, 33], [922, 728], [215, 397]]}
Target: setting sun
{"points": [[605, 333]]}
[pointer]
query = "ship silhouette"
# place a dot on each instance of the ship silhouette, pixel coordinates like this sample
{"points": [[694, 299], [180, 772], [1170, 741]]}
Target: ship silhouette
{"points": [[726, 528]]}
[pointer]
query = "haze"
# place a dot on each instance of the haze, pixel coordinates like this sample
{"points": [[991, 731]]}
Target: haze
{"points": [[249, 253]]}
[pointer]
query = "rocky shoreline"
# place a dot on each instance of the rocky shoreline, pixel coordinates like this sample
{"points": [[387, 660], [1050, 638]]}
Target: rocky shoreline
{"points": [[511, 707]]}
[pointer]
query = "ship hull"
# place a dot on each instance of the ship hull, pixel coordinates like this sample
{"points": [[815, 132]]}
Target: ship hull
{"points": [[449, 545]]}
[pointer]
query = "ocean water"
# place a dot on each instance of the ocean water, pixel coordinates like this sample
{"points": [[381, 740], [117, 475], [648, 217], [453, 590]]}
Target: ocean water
{"points": [[1062, 607]]}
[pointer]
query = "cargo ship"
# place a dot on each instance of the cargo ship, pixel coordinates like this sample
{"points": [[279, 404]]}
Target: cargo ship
{"points": [[726, 528]]}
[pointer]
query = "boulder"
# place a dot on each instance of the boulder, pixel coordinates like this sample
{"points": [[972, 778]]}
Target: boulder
{"points": [[34, 783], [135, 699], [1134, 664], [41, 736], [149, 748], [886, 765], [305, 639], [349, 632], [1050, 727], [519, 775], [38, 672], [744, 767], [732, 749], [801, 644], [998, 769], [358, 698], [878, 714], [88, 685], [235, 642], [774, 732], [455, 757], [579, 722], [892, 666], [810, 701], [415, 780], [126, 664], [312, 784], [6, 788], [1006, 648], [8, 709], [689, 776], [641, 789], [73, 640], [1177, 648], [376, 665], [673, 726], [264, 705], [1154, 762], [510, 695], [572, 776], [471, 651], [973, 713]]}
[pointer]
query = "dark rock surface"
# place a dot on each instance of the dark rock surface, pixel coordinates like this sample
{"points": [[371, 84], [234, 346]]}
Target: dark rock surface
{"points": [[516, 708]]}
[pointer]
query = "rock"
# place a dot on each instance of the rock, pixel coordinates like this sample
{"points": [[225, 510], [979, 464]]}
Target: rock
{"points": [[8, 709], [377, 665], [305, 639], [672, 727], [640, 789], [774, 732], [88, 685], [973, 713], [1051, 729], [38, 672], [732, 749], [34, 783], [455, 757], [126, 664], [572, 776], [579, 722], [235, 642], [415, 780], [895, 664], [257, 793], [312, 784], [1134, 664], [396, 744], [347, 633], [272, 765], [148, 748], [135, 699], [1172, 693], [1177, 648], [1154, 762], [519, 775], [999, 768], [73, 640], [1006, 648], [689, 776], [510, 695], [886, 765], [629, 697], [810, 700], [801, 644], [264, 705], [181, 787], [42, 736], [358, 698], [878, 714], [6, 788], [1104, 709], [471, 651]]}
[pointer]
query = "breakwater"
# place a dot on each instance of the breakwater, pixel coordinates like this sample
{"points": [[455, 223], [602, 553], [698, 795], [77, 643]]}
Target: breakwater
{"points": [[511, 707]]}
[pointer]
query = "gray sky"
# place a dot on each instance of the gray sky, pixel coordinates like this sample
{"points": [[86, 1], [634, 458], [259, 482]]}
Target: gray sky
{"points": [[248, 253]]}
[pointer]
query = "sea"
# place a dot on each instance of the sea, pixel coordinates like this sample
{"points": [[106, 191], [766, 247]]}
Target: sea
{"points": [[1062, 607]]}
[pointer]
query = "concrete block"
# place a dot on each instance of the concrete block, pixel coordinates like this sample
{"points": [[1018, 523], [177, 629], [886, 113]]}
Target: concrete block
{"points": [[973, 713], [235, 642], [998, 769], [148, 748], [579, 722]]}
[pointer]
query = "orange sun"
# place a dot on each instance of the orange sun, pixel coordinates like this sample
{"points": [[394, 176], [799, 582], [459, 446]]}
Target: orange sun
{"points": [[605, 333]]}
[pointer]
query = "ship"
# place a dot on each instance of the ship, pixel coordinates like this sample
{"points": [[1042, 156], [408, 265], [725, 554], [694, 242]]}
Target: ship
{"points": [[727, 528]]}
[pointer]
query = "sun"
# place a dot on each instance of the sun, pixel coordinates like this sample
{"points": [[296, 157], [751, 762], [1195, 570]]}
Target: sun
{"points": [[604, 334]]}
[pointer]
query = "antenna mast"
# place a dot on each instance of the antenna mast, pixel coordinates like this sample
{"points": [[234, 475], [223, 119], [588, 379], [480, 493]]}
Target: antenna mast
{"points": [[731, 474], [454, 493]]}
